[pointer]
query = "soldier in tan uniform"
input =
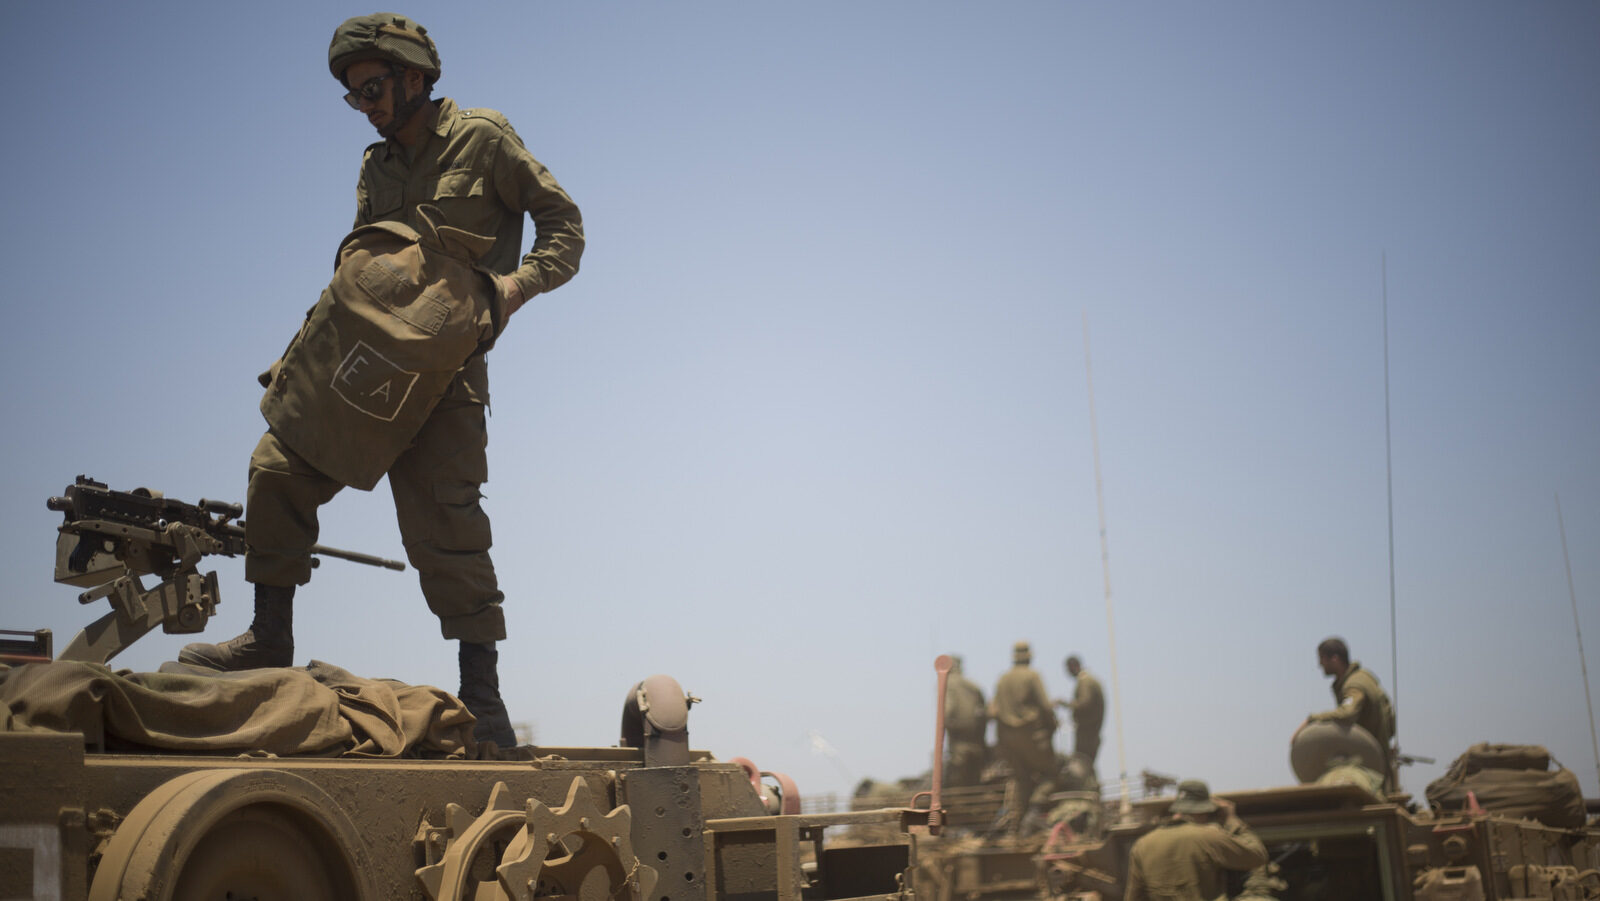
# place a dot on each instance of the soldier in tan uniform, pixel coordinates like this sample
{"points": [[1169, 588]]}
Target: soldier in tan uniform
{"points": [[966, 719], [1361, 700], [471, 165], [1024, 726], [1187, 857], [1088, 706]]}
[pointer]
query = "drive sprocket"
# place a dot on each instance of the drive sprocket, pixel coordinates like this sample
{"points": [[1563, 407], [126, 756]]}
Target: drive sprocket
{"points": [[512, 853], [573, 851]]}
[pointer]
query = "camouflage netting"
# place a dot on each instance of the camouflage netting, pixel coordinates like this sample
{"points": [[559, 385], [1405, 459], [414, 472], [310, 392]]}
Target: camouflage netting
{"points": [[318, 710]]}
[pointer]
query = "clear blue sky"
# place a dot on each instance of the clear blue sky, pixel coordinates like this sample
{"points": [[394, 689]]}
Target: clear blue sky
{"points": [[815, 411]]}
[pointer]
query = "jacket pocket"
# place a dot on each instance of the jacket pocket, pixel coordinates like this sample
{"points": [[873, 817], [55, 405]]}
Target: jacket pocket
{"points": [[458, 185], [383, 202]]}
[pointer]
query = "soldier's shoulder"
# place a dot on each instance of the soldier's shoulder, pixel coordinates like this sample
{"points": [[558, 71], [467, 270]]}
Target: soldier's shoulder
{"points": [[483, 117]]}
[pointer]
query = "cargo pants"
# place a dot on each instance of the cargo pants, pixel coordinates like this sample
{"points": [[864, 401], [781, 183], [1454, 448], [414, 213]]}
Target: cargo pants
{"points": [[436, 487], [1086, 741], [1030, 754]]}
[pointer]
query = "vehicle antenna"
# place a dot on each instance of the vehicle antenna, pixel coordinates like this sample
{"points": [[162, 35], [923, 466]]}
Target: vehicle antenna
{"points": [[1583, 664], [1388, 475], [1105, 565]]}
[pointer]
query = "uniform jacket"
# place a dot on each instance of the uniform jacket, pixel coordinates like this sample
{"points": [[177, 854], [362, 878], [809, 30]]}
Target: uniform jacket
{"points": [[1088, 703], [472, 166], [1020, 701], [965, 716], [1362, 701]]}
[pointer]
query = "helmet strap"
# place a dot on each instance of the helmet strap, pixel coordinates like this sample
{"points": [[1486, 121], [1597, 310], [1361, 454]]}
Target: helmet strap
{"points": [[405, 106]]}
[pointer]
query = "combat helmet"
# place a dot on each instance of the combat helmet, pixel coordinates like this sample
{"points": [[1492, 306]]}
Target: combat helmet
{"points": [[385, 36]]}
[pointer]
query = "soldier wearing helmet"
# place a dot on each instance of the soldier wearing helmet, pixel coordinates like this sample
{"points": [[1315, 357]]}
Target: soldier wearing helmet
{"points": [[1188, 856], [470, 165]]}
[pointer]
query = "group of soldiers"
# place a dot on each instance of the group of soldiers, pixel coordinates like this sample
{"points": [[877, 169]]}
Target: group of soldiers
{"points": [[1025, 724], [1188, 855]]}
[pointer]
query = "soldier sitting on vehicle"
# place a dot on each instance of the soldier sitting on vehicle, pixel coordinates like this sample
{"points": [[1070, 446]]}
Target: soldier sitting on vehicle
{"points": [[1361, 700]]}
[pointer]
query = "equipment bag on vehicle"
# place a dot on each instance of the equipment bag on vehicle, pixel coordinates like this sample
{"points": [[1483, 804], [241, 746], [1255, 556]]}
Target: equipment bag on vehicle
{"points": [[1511, 780]]}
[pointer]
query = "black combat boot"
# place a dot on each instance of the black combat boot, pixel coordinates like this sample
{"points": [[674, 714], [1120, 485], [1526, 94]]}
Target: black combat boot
{"points": [[268, 642], [480, 691]]}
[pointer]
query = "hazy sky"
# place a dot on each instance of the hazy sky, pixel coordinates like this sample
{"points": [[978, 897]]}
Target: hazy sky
{"points": [[815, 409]]}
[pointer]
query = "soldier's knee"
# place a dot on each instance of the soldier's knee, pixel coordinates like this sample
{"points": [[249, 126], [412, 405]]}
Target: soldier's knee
{"points": [[277, 569], [462, 525]]}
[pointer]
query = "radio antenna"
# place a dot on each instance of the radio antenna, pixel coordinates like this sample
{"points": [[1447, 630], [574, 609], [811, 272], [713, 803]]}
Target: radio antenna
{"points": [[1105, 566], [1388, 475], [1582, 663]]}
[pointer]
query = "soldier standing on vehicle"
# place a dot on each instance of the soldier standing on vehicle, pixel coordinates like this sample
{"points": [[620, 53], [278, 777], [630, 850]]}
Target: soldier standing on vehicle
{"points": [[1186, 858], [1361, 700], [1024, 726], [1088, 706], [472, 166], [966, 719]]}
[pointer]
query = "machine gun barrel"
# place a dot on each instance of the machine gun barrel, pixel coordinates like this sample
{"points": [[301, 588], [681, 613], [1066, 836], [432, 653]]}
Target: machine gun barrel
{"points": [[357, 557], [236, 530], [223, 509]]}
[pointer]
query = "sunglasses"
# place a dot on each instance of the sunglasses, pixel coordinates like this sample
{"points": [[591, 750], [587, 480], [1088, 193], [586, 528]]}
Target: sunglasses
{"points": [[370, 90]]}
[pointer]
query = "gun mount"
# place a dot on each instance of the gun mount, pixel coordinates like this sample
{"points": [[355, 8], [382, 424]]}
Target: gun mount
{"points": [[109, 539]]}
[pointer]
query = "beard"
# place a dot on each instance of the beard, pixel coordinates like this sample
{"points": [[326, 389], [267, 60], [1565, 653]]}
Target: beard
{"points": [[404, 108]]}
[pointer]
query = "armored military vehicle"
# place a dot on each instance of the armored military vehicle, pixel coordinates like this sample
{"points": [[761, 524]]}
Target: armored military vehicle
{"points": [[1503, 824], [1326, 843], [1340, 842], [95, 809]]}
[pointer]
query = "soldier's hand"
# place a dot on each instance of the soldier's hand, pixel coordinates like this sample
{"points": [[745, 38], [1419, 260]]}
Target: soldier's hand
{"points": [[513, 294]]}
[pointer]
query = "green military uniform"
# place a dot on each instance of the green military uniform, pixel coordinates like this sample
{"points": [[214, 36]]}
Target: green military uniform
{"points": [[1363, 702], [473, 167], [966, 719], [1024, 725], [1088, 706], [1183, 860]]}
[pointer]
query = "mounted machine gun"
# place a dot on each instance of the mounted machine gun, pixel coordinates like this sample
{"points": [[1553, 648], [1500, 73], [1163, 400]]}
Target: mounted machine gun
{"points": [[110, 538]]}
